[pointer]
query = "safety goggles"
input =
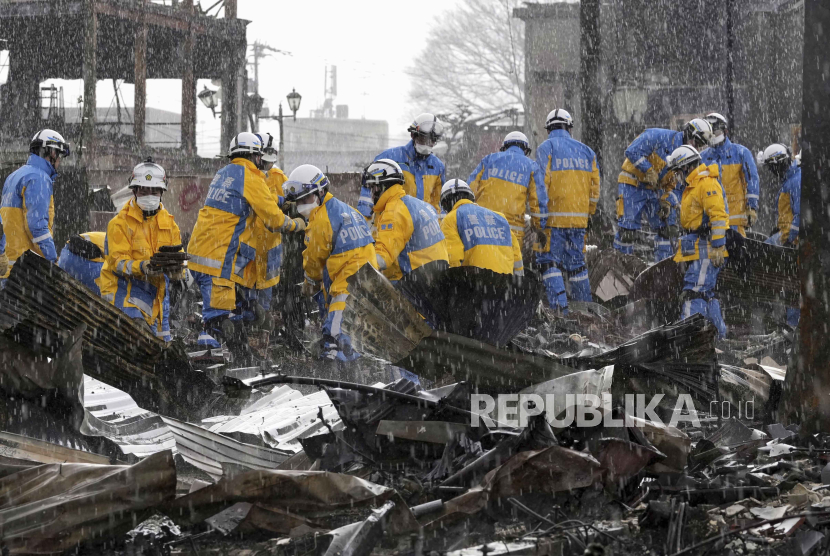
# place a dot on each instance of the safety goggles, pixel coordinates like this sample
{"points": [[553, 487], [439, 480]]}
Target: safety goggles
{"points": [[434, 130]]}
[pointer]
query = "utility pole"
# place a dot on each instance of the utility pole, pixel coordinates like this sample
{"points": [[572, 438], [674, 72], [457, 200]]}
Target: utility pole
{"points": [[589, 23], [806, 397]]}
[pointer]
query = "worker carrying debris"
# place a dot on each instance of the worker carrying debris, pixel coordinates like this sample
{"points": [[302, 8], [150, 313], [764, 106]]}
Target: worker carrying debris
{"points": [[510, 182], [646, 187], [704, 219], [571, 181], [338, 243], [223, 240], [263, 273], [408, 236], [778, 159], [738, 174], [477, 236], [423, 172], [83, 258], [28, 209], [143, 252]]}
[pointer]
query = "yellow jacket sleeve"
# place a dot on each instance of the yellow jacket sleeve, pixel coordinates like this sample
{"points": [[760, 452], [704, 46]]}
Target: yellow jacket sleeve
{"points": [[475, 183], [533, 203], [318, 238], [455, 248], [394, 230], [518, 263], [592, 209], [265, 205], [119, 251], [711, 198]]}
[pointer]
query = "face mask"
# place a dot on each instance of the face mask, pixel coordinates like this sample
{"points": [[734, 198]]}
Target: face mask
{"points": [[305, 210], [148, 203], [717, 139], [423, 150]]}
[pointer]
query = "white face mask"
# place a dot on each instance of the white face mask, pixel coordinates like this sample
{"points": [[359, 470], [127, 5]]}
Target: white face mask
{"points": [[423, 150], [717, 139], [305, 210], [148, 203]]}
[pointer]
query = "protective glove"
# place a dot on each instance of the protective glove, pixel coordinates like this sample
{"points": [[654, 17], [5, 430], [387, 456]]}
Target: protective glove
{"points": [[651, 179], [665, 209], [289, 208], [300, 225], [4, 264], [149, 270], [309, 289], [717, 255], [541, 239], [751, 217]]}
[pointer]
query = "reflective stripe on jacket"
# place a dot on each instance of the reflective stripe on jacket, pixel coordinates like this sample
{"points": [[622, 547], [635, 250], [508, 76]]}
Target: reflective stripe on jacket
{"points": [[703, 204], [739, 177], [571, 180], [337, 243], [222, 243], [509, 182], [408, 233], [130, 240], [28, 210], [789, 205], [479, 237], [423, 177]]}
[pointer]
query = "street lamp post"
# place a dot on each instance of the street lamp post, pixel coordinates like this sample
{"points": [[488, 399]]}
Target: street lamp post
{"points": [[294, 99]]}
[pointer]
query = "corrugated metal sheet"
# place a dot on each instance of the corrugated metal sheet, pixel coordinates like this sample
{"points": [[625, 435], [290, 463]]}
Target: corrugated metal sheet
{"points": [[210, 451]]}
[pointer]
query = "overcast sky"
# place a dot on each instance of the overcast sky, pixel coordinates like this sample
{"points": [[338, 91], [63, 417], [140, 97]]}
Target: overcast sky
{"points": [[371, 42]]}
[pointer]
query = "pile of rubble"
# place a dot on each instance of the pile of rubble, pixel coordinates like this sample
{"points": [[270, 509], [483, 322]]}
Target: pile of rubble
{"points": [[113, 440]]}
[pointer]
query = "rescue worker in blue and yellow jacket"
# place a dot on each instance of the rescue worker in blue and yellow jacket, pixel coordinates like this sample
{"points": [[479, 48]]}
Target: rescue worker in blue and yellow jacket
{"points": [[408, 236], [778, 159], [28, 208], [738, 174], [571, 178], [268, 243], [477, 236], [130, 279], [338, 243], [704, 219], [510, 182], [647, 189], [423, 171], [83, 258], [222, 243]]}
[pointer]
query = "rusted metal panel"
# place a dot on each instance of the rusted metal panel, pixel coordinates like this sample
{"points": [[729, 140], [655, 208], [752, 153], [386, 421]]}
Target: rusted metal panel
{"points": [[32, 449], [41, 303]]}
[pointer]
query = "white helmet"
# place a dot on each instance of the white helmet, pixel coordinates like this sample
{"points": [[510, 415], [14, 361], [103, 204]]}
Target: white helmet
{"points": [[798, 159], [427, 124], [148, 174], [516, 138], [452, 187], [682, 157], [699, 130], [269, 149], [560, 117], [717, 121], [777, 157], [50, 139], [304, 181], [244, 143], [384, 172]]}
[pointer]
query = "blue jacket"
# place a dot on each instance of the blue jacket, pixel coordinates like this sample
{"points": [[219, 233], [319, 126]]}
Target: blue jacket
{"points": [[28, 210], [423, 177], [738, 175], [509, 182], [571, 177]]}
